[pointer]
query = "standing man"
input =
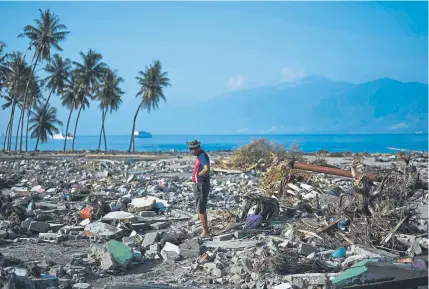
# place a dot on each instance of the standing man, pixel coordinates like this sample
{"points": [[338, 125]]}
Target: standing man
{"points": [[201, 180]]}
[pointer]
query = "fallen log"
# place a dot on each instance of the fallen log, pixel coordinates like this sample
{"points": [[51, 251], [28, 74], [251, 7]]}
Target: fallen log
{"points": [[330, 171]]}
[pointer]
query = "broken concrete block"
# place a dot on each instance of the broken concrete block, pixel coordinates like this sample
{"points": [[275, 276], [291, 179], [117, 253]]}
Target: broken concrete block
{"points": [[370, 252], [118, 215], [82, 286], [55, 227], [150, 239], [170, 252], [301, 280], [140, 226], [99, 229], [40, 227], [239, 234], [190, 248], [225, 237], [107, 263], [159, 225], [51, 236], [147, 214], [146, 204]]}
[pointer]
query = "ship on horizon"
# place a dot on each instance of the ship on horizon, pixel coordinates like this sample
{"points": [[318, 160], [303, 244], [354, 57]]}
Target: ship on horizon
{"points": [[60, 136], [142, 134]]}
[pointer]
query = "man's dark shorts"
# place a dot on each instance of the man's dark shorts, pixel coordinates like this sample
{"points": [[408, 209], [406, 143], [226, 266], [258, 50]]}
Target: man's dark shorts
{"points": [[201, 191]]}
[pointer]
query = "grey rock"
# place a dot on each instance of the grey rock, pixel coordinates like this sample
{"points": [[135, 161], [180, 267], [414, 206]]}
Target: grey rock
{"points": [[150, 239], [99, 229], [3, 234], [56, 257], [170, 252], [190, 248], [237, 269], [40, 227], [216, 272], [239, 234], [107, 263], [225, 237], [159, 225], [82, 286], [247, 265]]}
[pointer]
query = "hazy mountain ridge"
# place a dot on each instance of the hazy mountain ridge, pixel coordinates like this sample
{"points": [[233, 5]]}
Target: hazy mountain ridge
{"points": [[313, 105]]}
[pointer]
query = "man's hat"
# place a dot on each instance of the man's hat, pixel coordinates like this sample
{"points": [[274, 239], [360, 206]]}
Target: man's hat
{"points": [[193, 144]]}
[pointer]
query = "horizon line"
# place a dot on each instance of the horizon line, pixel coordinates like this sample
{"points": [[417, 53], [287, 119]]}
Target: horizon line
{"points": [[256, 134]]}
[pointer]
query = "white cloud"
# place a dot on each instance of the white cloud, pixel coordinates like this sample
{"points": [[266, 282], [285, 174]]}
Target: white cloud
{"points": [[292, 74], [400, 125], [273, 128], [242, 129], [235, 82]]}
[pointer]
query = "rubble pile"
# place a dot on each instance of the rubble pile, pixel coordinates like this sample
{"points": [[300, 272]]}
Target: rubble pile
{"points": [[90, 223]]}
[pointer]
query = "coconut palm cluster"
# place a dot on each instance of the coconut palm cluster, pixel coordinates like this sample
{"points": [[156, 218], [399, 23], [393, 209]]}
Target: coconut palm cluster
{"points": [[76, 83]]}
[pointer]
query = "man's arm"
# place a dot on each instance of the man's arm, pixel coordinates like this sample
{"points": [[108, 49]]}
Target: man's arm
{"points": [[206, 166]]}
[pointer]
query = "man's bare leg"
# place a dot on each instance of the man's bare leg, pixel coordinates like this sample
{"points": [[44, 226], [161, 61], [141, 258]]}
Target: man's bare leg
{"points": [[204, 224]]}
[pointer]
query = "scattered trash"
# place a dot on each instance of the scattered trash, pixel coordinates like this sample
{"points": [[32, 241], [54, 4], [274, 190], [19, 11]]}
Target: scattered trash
{"points": [[278, 219]]}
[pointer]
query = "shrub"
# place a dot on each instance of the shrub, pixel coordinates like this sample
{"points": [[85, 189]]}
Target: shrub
{"points": [[259, 150]]}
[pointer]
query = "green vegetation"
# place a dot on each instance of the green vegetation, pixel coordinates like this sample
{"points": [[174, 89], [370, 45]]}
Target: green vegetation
{"points": [[257, 152]]}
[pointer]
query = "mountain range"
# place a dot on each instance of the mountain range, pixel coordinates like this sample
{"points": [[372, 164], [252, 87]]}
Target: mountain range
{"points": [[312, 105]]}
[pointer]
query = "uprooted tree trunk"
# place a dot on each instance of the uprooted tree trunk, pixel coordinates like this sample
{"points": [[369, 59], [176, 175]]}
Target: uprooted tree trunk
{"points": [[265, 206]]}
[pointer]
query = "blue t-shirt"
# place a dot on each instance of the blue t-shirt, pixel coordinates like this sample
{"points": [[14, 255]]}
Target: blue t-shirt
{"points": [[202, 160]]}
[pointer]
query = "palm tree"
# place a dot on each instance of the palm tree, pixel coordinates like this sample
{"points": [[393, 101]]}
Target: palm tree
{"points": [[17, 75], [34, 100], [89, 74], [58, 70], [3, 67], [71, 94], [152, 82], [48, 32], [43, 122], [109, 94]]}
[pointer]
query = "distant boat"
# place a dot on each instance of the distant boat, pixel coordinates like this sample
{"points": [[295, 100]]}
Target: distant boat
{"points": [[60, 136], [418, 132], [142, 134]]}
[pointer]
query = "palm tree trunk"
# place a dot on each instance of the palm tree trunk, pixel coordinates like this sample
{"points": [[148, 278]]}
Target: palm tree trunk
{"points": [[37, 143], [75, 126], [9, 135], [67, 130], [17, 131], [6, 136], [49, 97], [134, 126], [101, 129], [104, 131], [25, 100], [26, 133], [9, 125]]}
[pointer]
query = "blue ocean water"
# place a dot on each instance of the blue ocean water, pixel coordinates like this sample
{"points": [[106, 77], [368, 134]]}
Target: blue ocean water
{"points": [[307, 143]]}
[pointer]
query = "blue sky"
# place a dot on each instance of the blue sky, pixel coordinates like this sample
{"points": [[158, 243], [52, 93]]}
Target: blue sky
{"points": [[210, 48]]}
